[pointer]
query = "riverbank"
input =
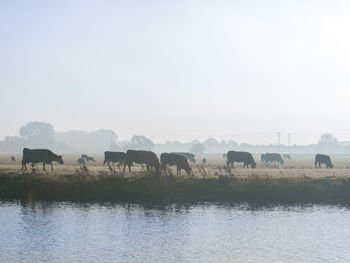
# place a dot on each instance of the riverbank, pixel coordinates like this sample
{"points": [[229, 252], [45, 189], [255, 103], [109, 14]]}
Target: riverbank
{"points": [[111, 188]]}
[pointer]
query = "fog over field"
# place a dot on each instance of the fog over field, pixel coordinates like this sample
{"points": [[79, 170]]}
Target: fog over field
{"points": [[181, 70]]}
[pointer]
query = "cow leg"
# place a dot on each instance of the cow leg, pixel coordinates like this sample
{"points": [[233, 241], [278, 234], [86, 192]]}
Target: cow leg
{"points": [[163, 168], [51, 167], [44, 166], [129, 165], [124, 167]]}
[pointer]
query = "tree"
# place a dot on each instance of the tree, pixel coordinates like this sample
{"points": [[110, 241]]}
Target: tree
{"points": [[38, 134], [197, 148], [212, 145], [139, 143], [327, 138]]}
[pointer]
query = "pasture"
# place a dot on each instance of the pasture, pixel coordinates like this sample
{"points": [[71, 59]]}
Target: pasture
{"points": [[299, 166], [297, 181]]}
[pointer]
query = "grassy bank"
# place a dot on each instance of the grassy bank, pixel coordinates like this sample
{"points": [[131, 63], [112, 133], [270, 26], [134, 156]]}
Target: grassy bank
{"points": [[153, 187]]}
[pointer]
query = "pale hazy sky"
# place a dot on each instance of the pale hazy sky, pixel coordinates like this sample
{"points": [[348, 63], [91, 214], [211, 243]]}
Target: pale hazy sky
{"points": [[178, 69]]}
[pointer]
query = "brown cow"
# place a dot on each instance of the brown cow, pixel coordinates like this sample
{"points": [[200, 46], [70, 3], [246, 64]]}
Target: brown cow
{"points": [[39, 155], [141, 157], [175, 159]]}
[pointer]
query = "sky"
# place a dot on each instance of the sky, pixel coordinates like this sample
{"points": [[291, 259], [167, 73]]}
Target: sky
{"points": [[178, 70]]}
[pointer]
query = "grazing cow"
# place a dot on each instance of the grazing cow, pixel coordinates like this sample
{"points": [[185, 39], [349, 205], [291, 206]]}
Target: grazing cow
{"points": [[240, 157], [84, 156], [175, 159], [321, 158], [204, 161], [81, 161], [271, 158], [87, 158], [13, 159], [90, 159], [114, 157], [141, 157], [39, 155], [190, 156], [287, 157]]}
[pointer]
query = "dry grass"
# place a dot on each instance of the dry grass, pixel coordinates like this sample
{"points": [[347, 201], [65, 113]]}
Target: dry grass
{"points": [[215, 167]]}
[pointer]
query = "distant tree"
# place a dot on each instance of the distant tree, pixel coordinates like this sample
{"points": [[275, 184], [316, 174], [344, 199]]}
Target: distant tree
{"points": [[38, 134], [327, 138], [212, 145], [197, 148], [139, 143]]}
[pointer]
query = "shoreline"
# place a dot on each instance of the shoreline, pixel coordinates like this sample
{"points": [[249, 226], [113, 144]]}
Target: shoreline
{"points": [[155, 188]]}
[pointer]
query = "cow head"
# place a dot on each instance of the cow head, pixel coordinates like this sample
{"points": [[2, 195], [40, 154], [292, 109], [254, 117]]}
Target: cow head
{"points": [[331, 165], [188, 170], [60, 160], [253, 164], [156, 165], [282, 162]]}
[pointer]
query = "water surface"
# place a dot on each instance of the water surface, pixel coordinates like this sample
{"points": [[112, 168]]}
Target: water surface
{"points": [[66, 232]]}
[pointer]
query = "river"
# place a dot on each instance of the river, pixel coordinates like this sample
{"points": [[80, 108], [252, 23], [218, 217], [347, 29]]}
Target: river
{"points": [[200, 232]]}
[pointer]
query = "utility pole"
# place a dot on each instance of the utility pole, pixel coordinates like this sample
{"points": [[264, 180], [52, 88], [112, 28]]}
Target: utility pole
{"points": [[278, 141], [289, 143]]}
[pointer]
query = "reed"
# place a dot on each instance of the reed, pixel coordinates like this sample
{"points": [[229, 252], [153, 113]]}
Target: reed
{"points": [[154, 187]]}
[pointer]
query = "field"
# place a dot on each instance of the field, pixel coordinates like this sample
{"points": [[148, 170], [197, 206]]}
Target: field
{"points": [[296, 181]]}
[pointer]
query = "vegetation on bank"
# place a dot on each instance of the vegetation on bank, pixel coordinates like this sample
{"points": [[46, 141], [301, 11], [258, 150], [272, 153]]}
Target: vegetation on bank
{"points": [[153, 187]]}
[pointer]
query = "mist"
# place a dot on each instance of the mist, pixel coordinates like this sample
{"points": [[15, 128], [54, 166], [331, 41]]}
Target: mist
{"points": [[183, 71]]}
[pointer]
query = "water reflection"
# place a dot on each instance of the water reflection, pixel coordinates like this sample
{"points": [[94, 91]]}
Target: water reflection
{"points": [[131, 232]]}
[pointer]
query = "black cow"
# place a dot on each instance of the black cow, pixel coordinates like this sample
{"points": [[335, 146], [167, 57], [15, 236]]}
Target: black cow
{"points": [[321, 158], [39, 155], [141, 157], [240, 157], [272, 158], [114, 157], [175, 159], [190, 156], [13, 159]]}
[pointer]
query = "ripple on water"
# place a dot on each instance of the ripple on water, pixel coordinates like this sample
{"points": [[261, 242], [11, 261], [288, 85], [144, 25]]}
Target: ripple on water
{"points": [[203, 232]]}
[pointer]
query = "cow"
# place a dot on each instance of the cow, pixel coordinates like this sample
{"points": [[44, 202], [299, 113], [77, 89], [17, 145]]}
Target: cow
{"points": [[321, 158], [90, 159], [13, 159], [287, 157], [81, 161], [141, 157], [87, 158], [39, 155], [271, 158], [114, 157], [175, 159], [190, 156], [240, 157]]}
